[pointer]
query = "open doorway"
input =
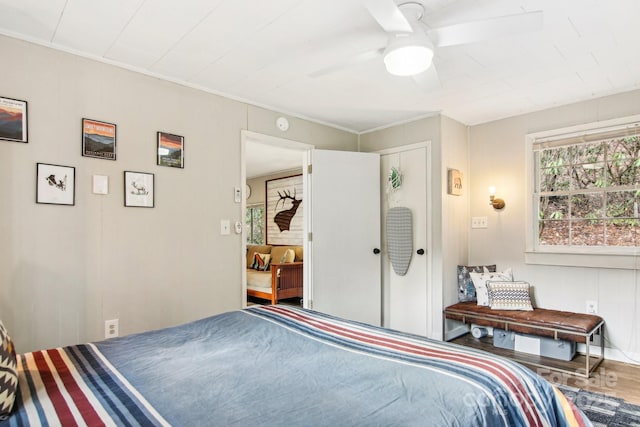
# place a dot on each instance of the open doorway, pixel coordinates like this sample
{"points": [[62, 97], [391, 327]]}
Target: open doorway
{"points": [[270, 277]]}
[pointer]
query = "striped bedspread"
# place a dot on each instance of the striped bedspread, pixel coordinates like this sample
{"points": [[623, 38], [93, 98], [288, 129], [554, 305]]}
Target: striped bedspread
{"points": [[76, 386], [277, 365]]}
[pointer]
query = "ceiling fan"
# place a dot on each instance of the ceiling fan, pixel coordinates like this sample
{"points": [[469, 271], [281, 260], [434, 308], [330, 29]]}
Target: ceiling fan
{"points": [[411, 44]]}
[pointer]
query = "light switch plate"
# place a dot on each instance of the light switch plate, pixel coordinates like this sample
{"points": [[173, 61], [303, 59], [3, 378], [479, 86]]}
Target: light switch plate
{"points": [[479, 222], [225, 227]]}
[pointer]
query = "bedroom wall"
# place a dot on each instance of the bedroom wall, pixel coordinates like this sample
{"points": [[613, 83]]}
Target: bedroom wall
{"points": [[497, 153], [448, 140], [64, 270]]}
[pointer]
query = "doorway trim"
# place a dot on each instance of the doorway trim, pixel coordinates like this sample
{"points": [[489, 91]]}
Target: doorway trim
{"points": [[245, 137]]}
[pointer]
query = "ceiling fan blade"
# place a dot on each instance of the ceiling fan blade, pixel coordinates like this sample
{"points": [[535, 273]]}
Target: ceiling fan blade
{"points": [[389, 16], [428, 79], [486, 29], [354, 60]]}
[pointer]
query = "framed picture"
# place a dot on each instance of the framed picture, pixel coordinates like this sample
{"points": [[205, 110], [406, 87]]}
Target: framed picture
{"points": [[13, 120], [98, 139], [454, 182], [283, 218], [55, 184], [170, 150], [138, 189]]}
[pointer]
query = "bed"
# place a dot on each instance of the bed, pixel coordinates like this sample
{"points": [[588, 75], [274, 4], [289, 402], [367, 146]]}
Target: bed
{"points": [[280, 365]]}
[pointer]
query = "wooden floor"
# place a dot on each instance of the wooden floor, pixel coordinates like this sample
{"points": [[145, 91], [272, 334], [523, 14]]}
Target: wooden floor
{"points": [[616, 379]]}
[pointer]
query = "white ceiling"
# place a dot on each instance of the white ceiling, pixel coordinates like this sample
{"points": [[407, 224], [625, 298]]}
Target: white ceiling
{"points": [[263, 52]]}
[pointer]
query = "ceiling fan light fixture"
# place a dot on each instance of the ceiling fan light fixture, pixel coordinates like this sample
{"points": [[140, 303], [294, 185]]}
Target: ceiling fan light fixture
{"points": [[407, 56]]}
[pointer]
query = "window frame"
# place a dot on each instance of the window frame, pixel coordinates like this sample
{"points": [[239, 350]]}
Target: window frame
{"points": [[624, 257]]}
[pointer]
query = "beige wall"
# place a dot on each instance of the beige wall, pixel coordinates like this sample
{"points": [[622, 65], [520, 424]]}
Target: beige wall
{"points": [[455, 209], [65, 270], [497, 153]]}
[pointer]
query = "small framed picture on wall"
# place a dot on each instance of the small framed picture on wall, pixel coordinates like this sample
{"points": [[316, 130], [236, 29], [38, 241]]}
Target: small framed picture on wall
{"points": [[98, 139], [138, 189], [454, 182], [170, 150], [13, 120], [55, 184]]}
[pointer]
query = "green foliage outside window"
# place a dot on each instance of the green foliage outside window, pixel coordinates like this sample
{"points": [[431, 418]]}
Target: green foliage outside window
{"points": [[254, 222], [589, 193]]}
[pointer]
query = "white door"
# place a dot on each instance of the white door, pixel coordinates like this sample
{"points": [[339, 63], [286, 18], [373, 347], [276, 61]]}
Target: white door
{"points": [[406, 297], [342, 267]]}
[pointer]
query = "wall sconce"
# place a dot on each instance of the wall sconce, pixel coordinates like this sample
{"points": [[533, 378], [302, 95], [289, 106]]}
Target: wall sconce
{"points": [[496, 203]]}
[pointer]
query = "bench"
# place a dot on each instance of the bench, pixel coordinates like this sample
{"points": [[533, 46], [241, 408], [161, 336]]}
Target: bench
{"points": [[560, 325]]}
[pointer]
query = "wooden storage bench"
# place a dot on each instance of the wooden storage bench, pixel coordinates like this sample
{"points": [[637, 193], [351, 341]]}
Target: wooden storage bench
{"points": [[576, 327]]}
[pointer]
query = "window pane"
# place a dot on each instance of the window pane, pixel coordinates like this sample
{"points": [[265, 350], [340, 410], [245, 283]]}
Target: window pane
{"points": [[555, 179], [623, 233], [622, 204], [554, 207], [555, 157], [587, 233], [588, 153], [587, 176], [622, 161], [553, 232], [554, 169], [587, 206]]}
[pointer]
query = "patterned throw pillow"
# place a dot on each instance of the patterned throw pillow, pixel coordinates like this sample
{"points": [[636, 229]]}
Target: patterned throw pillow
{"points": [[509, 296], [289, 256], [8, 374], [261, 262], [466, 290], [480, 282]]}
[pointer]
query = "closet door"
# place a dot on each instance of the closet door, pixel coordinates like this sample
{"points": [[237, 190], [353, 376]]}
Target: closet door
{"points": [[406, 297], [342, 257]]}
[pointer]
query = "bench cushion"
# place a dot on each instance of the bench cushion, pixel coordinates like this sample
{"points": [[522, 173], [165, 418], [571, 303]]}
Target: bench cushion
{"points": [[569, 325]]}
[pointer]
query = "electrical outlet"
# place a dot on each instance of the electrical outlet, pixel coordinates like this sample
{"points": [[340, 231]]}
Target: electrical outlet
{"points": [[479, 222], [592, 307], [110, 328]]}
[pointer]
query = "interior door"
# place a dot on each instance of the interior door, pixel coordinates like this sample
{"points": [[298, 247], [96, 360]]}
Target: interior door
{"points": [[406, 297], [342, 239]]}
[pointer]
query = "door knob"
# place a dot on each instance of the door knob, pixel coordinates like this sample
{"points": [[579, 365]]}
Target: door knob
{"points": [[376, 251], [420, 251]]}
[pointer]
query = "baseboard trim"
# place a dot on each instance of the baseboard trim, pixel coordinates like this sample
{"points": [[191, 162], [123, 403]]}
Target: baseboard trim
{"points": [[456, 332]]}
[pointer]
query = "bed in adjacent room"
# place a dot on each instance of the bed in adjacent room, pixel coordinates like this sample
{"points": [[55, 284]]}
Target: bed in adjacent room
{"points": [[281, 365]]}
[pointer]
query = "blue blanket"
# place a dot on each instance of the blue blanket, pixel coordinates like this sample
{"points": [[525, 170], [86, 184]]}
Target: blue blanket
{"points": [[277, 365]]}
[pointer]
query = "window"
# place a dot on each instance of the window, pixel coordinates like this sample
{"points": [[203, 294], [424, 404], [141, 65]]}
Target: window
{"points": [[255, 224], [586, 188]]}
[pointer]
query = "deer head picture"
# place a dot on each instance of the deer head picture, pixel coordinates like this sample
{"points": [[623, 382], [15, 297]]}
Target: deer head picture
{"points": [[284, 222], [283, 218]]}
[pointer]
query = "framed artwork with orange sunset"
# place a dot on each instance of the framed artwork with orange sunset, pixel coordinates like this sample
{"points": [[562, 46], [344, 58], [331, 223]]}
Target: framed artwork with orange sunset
{"points": [[170, 150], [13, 120], [98, 139]]}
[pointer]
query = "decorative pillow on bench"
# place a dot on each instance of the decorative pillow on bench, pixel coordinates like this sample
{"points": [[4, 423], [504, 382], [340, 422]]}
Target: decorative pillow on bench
{"points": [[466, 290], [480, 283], [509, 296]]}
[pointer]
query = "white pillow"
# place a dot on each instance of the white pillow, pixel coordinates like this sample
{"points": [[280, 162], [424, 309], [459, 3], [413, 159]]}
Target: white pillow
{"points": [[480, 283]]}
